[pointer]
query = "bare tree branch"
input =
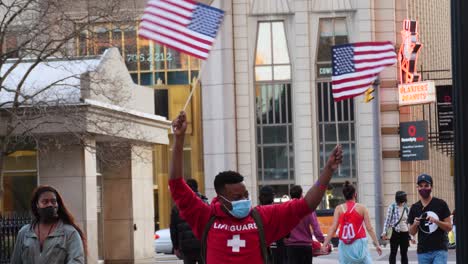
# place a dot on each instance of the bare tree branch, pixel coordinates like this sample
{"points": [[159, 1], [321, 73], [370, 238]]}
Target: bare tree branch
{"points": [[45, 29]]}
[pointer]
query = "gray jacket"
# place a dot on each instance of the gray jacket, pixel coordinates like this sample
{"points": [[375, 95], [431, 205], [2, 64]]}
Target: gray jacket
{"points": [[63, 246]]}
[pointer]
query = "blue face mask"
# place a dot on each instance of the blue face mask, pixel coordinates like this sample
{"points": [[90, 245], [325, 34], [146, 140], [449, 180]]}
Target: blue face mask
{"points": [[240, 209]]}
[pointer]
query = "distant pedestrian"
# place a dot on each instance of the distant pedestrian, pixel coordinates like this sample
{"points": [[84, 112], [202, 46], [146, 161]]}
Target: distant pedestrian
{"points": [[278, 249], [266, 195], [351, 217], [299, 242], [53, 236], [186, 245], [430, 219], [396, 228]]}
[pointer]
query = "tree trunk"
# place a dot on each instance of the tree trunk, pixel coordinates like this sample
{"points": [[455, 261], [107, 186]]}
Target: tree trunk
{"points": [[2, 191]]}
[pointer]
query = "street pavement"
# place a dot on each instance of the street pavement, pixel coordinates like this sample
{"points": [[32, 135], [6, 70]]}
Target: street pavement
{"points": [[412, 256], [333, 257]]}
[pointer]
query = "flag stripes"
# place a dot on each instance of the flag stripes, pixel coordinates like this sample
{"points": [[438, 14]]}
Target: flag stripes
{"points": [[184, 25], [356, 66]]}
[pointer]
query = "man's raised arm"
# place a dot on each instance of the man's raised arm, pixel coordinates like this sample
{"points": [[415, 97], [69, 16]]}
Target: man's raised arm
{"points": [[179, 125], [191, 208], [315, 194]]}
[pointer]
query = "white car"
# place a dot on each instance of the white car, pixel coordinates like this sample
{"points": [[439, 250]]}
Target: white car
{"points": [[162, 241]]}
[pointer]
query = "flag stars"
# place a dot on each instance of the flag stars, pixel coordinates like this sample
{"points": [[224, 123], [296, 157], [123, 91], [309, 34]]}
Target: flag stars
{"points": [[343, 60]]}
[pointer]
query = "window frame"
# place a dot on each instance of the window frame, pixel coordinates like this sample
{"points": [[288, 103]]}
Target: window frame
{"points": [[288, 124]]}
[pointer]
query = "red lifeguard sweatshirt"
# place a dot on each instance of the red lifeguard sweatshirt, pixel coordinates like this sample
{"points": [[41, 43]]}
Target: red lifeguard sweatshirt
{"points": [[232, 240]]}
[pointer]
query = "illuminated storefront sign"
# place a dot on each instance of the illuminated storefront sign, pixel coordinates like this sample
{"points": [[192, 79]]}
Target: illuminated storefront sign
{"points": [[409, 50], [417, 93], [411, 90]]}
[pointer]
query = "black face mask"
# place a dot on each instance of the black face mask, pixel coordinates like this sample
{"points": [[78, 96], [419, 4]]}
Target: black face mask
{"points": [[48, 214]]}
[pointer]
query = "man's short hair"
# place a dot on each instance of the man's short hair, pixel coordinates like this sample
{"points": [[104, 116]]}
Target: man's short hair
{"points": [[226, 177], [267, 190], [295, 192], [193, 184], [266, 195]]}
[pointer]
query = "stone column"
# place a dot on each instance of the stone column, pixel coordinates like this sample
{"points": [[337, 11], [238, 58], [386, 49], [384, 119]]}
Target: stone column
{"points": [[219, 117], [142, 203], [71, 169], [117, 206], [128, 206]]}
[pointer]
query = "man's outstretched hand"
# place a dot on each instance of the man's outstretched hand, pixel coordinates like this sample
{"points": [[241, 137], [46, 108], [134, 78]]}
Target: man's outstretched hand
{"points": [[179, 125], [315, 194], [335, 158]]}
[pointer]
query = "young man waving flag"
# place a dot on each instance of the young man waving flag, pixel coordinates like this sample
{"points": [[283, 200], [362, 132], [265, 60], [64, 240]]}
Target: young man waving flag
{"points": [[234, 233]]}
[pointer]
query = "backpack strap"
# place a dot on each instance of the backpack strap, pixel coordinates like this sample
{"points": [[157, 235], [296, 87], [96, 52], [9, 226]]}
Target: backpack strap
{"points": [[401, 217], [258, 221], [204, 238]]}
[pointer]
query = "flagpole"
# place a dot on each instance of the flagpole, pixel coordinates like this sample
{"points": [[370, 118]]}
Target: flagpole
{"points": [[194, 86], [336, 129]]}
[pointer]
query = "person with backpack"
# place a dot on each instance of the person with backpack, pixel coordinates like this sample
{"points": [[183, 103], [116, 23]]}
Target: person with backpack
{"points": [[352, 218], [299, 242], [186, 245], [229, 229], [396, 228]]}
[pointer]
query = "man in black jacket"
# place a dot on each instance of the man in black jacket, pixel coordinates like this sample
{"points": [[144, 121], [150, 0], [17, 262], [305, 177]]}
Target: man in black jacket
{"points": [[278, 249], [185, 245]]}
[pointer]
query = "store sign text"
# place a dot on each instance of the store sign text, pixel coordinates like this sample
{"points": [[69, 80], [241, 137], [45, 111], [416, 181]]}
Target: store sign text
{"points": [[417, 93]]}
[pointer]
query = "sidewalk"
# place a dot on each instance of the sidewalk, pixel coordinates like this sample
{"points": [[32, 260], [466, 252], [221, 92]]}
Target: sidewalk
{"points": [[412, 256], [333, 257]]}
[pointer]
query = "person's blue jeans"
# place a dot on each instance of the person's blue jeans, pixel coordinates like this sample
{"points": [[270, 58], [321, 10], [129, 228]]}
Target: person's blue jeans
{"points": [[433, 257]]}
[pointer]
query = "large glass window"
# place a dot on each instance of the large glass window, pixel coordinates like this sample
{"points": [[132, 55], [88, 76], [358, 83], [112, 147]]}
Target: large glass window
{"points": [[20, 179], [149, 63], [332, 31], [275, 151], [334, 126]]}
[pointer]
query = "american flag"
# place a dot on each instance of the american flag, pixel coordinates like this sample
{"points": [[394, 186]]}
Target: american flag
{"points": [[357, 65], [184, 25]]}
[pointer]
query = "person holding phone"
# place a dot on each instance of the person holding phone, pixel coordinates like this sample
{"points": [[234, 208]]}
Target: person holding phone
{"points": [[430, 219]]}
